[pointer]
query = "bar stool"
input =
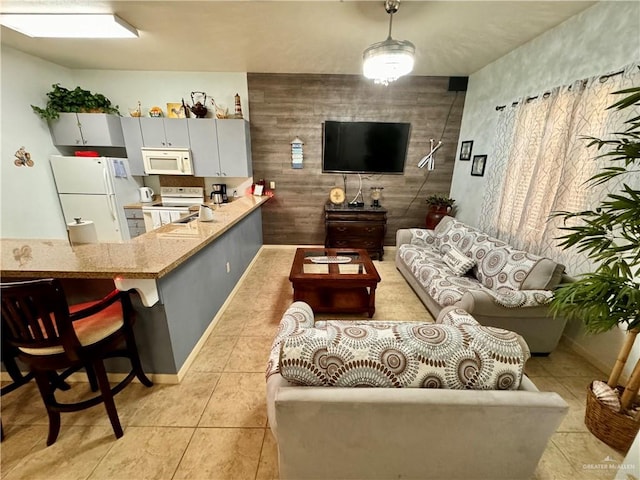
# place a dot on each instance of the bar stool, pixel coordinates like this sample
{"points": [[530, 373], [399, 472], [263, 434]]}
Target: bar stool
{"points": [[48, 336]]}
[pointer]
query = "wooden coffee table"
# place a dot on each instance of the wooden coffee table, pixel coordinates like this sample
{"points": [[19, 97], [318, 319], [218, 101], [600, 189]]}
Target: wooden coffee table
{"points": [[335, 287]]}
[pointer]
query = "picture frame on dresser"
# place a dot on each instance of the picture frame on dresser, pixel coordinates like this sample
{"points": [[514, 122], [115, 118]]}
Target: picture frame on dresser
{"points": [[478, 165]]}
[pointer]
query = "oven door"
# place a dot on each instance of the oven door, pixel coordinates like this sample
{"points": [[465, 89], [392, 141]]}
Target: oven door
{"points": [[167, 161], [155, 217]]}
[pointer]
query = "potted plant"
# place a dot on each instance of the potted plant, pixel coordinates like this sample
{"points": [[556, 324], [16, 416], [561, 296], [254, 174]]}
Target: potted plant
{"points": [[438, 205], [63, 100], [610, 296]]}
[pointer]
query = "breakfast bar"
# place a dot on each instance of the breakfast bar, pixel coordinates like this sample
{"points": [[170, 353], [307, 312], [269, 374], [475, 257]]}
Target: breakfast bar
{"points": [[182, 274]]}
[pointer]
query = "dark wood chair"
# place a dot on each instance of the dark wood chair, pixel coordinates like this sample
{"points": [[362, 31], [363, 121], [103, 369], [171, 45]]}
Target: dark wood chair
{"points": [[49, 336]]}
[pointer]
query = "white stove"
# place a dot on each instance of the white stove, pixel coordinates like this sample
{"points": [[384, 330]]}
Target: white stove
{"points": [[180, 196], [174, 204]]}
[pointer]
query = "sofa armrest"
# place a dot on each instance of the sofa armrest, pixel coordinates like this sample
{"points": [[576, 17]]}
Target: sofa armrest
{"points": [[297, 318], [415, 236], [505, 302], [403, 235], [453, 315]]}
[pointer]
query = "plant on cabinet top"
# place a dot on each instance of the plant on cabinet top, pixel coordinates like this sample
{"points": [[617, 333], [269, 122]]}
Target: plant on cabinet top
{"points": [[63, 100]]}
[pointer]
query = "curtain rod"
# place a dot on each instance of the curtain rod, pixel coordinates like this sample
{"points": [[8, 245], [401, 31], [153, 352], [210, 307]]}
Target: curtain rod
{"points": [[602, 78]]}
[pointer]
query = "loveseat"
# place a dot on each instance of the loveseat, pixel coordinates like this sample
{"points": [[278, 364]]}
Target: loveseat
{"points": [[456, 264], [476, 416]]}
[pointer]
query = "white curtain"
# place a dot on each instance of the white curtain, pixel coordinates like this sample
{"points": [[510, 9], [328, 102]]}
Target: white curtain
{"points": [[541, 161]]}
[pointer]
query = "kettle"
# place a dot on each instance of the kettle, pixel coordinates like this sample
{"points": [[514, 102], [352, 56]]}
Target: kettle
{"points": [[146, 194], [205, 214], [198, 108]]}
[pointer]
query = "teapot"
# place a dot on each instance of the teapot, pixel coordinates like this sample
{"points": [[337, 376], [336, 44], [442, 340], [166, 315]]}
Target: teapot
{"points": [[198, 108], [205, 214]]}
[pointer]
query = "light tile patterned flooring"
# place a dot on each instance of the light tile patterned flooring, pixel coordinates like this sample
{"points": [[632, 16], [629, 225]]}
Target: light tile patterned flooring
{"points": [[214, 424]]}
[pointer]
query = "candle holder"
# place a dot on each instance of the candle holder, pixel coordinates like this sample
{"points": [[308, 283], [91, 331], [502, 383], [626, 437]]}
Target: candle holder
{"points": [[376, 194]]}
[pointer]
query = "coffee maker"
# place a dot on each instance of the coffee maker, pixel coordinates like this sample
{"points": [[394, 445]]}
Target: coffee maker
{"points": [[219, 193]]}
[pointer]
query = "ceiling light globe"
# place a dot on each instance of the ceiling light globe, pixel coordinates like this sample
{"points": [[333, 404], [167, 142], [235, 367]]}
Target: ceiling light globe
{"points": [[387, 61]]}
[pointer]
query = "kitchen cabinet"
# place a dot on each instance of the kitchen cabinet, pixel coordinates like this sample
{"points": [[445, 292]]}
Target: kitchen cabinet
{"points": [[362, 227], [234, 148], [132, 133], [203, 139], [164, 132], [87, 130], [135, 221]]}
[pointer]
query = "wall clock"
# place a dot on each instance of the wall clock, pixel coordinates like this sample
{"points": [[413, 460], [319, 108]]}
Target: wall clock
{"points": [[337, 196]]}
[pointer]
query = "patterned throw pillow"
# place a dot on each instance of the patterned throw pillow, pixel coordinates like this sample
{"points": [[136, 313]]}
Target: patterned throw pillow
{"points": [[461, 355], [458, 262]]}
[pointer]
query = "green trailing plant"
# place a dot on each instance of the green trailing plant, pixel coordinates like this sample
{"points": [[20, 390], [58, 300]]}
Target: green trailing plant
{"points": [[439, 200], [62, 99], [610, 236]]}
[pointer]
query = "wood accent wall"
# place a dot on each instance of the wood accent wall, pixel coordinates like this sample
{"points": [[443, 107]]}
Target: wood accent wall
{"points": [[284, 106]]}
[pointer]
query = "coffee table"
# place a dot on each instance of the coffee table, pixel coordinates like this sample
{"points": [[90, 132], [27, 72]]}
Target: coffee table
{"points": [[335, 287]]}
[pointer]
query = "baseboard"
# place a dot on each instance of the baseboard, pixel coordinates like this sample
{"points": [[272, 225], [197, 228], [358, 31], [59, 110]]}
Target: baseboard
{"points": [[593, 360], [205, 336]]}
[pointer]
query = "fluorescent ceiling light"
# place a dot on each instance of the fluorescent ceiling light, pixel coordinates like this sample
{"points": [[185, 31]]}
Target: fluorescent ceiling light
{"points": [[69, 26]]}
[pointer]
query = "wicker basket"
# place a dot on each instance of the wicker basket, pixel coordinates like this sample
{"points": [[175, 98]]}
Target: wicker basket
{"points": [[613, 428]]}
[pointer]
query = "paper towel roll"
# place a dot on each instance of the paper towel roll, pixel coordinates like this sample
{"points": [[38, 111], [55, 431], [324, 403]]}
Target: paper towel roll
{"points": [[82, 232]]}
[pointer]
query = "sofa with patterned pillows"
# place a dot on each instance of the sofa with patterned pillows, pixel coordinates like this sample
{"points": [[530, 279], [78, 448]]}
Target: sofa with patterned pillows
{"points": [[456, 264], [380, 400]]}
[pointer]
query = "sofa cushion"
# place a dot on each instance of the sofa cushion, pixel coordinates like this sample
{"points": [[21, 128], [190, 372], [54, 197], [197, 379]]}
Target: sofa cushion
{"points": [[497, 263], [458, 262], [404, 354]]}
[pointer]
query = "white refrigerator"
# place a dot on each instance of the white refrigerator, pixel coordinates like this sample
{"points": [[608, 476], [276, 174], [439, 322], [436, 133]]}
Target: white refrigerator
{"points": [[96, 189]]}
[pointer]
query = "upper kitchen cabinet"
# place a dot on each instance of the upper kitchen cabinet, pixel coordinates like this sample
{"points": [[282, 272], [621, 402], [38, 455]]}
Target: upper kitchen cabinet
{"points": [[203, 138], [87, 129], [133, 142], [164, 132], [234, 148]]}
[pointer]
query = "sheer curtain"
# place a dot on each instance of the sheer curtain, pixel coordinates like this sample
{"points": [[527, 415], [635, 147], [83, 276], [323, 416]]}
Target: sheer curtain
{"points": [[541, 161]]}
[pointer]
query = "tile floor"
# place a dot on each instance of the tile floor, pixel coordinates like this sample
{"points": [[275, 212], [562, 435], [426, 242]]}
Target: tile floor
{"points": [[214, 424]]}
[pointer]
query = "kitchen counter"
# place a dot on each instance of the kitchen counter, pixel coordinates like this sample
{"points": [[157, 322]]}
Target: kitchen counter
{"points": [[148, 256], [180, 276]]}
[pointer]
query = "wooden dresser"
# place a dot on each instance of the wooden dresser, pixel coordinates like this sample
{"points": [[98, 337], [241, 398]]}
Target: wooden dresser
{"points": [[362, 227]]}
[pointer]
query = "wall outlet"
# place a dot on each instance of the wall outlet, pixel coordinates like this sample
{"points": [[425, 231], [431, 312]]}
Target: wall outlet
{"points": [[228, 267], [272, 185]]}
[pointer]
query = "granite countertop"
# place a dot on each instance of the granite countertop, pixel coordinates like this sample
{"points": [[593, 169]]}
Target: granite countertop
{"points": [[150, 255]]}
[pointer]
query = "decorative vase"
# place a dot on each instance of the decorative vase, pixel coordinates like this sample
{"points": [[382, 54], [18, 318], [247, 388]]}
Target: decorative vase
{"points": [[435, 214]]}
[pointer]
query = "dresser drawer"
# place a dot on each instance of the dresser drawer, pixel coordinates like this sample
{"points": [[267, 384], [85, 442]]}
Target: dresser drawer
{"points": [[355, 216], [351, 229], [355, 242]]}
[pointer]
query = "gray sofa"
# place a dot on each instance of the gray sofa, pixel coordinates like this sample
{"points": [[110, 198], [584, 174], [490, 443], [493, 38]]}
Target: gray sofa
{"points": [[505, 288], [333, 432]]}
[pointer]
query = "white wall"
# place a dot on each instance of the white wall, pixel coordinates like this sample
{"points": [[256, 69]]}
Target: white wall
{"points": [[601, 39], [30, 207]]}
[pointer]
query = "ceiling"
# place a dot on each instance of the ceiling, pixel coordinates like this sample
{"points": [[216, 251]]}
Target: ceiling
{"points": [[452, 38]]}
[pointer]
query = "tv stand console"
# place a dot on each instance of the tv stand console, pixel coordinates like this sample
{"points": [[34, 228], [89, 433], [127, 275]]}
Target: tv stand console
{"points": [[355, 227]]}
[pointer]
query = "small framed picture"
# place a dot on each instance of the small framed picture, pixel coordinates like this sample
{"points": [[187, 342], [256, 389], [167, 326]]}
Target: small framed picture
{"points": [[258, 190], [478, 164], [465, 150], [175, 110]]}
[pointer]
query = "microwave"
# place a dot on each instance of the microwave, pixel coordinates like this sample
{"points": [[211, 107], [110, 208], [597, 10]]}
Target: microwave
{"points": [[167, 161]]}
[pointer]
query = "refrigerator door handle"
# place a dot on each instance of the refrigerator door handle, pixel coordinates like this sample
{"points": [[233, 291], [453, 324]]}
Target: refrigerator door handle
{"points": [[111, 200], [108, 186]]}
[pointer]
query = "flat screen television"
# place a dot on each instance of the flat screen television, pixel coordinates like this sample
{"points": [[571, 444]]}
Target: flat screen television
{"points": [[364, 147]]}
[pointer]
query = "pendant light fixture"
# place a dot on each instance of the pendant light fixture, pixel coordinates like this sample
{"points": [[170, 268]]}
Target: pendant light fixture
{"points": [[387, 61]]}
